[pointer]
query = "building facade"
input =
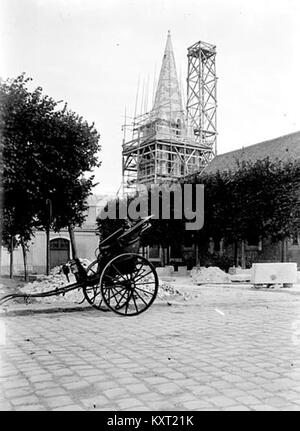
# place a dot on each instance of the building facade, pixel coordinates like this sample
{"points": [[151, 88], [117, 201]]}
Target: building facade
{"points": [[86, 239]]}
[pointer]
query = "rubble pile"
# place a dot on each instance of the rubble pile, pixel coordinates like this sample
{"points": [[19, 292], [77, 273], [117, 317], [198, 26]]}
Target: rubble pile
{"points": [[55, 280], [168, 291], [210, 275]]}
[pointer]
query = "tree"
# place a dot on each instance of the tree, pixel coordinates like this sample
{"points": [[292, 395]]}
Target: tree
{"points": [[257, 199], [47, 155], [163, 232]]}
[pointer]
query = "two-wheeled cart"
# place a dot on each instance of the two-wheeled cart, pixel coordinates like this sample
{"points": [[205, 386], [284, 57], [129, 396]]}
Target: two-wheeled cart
{"points": [[120, 279]]}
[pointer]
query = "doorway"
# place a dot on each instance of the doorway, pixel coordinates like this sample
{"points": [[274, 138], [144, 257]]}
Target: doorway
{"points": [[59, 251]]}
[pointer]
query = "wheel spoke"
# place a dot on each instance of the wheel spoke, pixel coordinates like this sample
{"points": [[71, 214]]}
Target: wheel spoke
{"points": [[143, 275], [136, 272], [116, 278], [143, 290], [118, 303], [127, 302], [136, 307], [113, 296], [141, 271], [141, 298], [146, 282], [119, 272]]}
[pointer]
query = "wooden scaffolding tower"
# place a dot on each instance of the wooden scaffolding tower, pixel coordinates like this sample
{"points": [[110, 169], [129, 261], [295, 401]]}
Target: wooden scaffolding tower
{"points": [[202, 97]]}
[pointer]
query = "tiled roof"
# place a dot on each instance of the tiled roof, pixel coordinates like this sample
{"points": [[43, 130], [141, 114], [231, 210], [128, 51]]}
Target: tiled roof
{"points": [[284, 148]]}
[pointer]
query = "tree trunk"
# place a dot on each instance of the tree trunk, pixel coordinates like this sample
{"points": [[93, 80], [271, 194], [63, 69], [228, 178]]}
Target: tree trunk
{"points": [[72, 240], [0, 237], [161, 255], [243, 257], [284, 250], [1, 210], [197, 254], [48, 250], [222, 247], [236, 255], [23, 245], [11, 262]]}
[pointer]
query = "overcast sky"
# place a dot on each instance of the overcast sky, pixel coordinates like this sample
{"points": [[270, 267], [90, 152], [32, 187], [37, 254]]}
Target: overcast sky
{"points": [[91, 53]]}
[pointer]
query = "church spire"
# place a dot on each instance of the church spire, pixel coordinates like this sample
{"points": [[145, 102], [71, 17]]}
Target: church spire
{"points": [[168, 103]]}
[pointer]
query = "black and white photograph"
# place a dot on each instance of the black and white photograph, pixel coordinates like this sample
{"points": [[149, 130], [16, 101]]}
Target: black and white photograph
{"points": [[149, 208]]}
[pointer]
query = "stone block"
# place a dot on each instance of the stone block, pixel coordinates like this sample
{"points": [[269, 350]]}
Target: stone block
{"points": [[164, 271], [182, 271], [273, 273], [242, 275]]}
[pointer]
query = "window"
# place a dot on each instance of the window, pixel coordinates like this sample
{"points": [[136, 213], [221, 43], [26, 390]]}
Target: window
{"points": [[59, 244]]}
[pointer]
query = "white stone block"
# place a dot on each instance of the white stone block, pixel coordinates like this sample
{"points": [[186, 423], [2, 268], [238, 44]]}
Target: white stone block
{"points": [[164, 271], [169, 269], [182, 271], [272, 273], [243, 277]]}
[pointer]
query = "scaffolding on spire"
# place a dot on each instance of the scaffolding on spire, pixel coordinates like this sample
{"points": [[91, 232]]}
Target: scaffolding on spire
{"points": [[164, 146]]}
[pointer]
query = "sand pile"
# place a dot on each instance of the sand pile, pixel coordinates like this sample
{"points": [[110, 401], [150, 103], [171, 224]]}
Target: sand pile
{"points": [[212, 275]]}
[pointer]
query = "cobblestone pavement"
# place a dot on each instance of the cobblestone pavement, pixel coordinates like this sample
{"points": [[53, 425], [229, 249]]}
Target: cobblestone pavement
{"points": [[230, 349]]}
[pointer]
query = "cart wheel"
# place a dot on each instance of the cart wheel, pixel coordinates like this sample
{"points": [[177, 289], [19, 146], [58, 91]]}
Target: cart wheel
{"points": [[129, 284], [92, 291]]}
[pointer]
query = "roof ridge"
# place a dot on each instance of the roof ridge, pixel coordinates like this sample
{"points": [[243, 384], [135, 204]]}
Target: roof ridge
{"points": [[259, 143]]}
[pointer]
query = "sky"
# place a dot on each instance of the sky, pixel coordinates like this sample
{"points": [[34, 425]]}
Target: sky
{"points": [[93, 53]]}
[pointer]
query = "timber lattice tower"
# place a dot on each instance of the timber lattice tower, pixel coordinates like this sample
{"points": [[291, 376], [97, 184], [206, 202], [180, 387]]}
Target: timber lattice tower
{"points": [[171, 142]]}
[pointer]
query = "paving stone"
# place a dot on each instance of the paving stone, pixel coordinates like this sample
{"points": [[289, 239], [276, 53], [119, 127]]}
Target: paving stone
{"points": [[139, 388], [51, 392], [11, 393], [5, 406], [94, 402], [248, 400], [71, 407], [263, 407], [33, 407], [58, 401], [30, 399], [130, 403], [221, 401], [197, 405], [156, 380], [44, 385], [115, 393], [167, 388], [237, 408], [168, 358], [15, 384]]}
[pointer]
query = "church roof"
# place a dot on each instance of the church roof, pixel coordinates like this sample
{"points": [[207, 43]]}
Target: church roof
{"points": [[168, 102], [285, 148]]}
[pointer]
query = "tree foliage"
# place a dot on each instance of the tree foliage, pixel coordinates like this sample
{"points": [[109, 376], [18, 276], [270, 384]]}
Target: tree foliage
{"points": [[48, 154], [257, 199]]}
